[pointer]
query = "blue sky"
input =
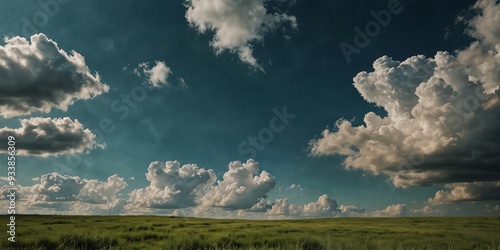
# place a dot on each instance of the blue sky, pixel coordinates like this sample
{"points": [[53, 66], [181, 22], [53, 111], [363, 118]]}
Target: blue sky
{"points": [[280, 90]]}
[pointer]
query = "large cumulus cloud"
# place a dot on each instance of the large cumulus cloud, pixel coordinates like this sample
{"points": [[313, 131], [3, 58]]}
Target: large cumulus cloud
{"points": [[237, 24], [37, 76], [441, 114], [172, 186], [242, 187], [44, 137]]}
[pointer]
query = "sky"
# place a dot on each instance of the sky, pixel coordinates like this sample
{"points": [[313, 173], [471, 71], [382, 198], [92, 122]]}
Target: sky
{"points": [[255, 109]]}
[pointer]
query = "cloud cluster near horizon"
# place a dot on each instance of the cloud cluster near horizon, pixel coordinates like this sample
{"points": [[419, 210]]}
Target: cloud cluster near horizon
{"points": [[441, 114], [174, 186], [186, 190], [56, 193]]}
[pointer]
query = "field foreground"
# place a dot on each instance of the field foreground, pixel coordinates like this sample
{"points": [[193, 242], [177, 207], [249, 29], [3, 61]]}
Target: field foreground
{"points": [[157, 232]]}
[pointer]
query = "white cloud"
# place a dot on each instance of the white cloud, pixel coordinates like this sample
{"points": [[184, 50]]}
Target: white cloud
{"points": [[281, 207], [485, 27], [237, 24], [441, 113], [293, 187], [98, 197], [21, 193], [262, 206], [156, 76], [98, 192], [296, 186], [328, 207], [45, 137], [470, 191], [351, 210], [55, 187], [427, 210], [38, 76], [176, 190], [323, 207], [390, 211], [172, 186], [65, 194], [241, 187], [190, 187]]}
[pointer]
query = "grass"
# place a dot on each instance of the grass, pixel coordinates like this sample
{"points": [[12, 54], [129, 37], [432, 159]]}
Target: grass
{"points": [[157, 232]]}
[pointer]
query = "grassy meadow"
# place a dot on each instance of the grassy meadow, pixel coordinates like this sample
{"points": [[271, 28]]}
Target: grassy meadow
{"points": [[158, 232]]}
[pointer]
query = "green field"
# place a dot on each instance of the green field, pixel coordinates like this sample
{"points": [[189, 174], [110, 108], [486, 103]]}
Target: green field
{"points": [[157, 232]]}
